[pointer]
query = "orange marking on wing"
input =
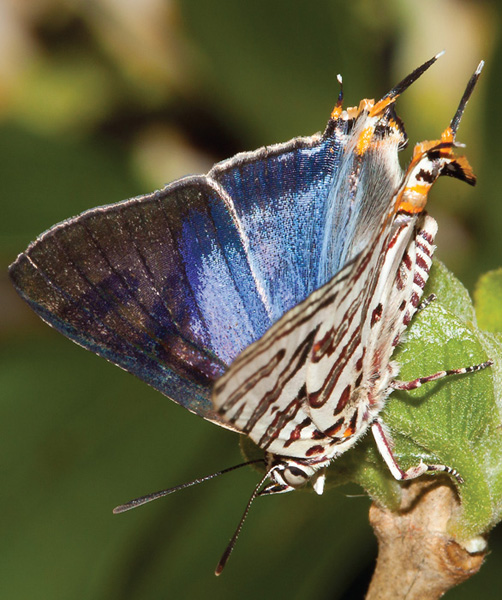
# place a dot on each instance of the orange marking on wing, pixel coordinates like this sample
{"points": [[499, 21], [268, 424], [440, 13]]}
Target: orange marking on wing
{"points": [[413, 198], [447, 136], [316, 347], [420, 149], [466, 167], [421, 189], [348, 432], [410, 207]]}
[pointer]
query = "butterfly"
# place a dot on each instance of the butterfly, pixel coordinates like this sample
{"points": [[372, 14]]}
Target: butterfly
{"points": [[269, 295]]}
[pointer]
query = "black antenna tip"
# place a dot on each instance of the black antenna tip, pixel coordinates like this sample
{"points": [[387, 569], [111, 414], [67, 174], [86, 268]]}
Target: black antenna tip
{"points": [[455, 122], [223, 561], [231, 543], [123, 508], [412, 77], [155, 495]]}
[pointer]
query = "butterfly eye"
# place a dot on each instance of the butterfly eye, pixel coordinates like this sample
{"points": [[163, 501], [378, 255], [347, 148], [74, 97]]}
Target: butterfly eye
{"points": [[295, 476]]}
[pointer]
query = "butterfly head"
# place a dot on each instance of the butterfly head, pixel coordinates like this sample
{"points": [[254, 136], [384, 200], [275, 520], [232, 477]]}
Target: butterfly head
{"points": [[288, 474], [377, 122], [371, 125]]}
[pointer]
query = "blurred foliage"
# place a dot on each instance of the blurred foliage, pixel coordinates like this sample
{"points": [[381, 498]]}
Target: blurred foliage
{"points": [[487, 295], [102, 100]]}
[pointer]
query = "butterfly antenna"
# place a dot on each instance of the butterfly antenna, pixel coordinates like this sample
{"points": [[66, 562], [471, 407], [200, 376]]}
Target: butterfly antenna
{"points": [[455, 122], [149, 497], [231, 543], [411, 78]]}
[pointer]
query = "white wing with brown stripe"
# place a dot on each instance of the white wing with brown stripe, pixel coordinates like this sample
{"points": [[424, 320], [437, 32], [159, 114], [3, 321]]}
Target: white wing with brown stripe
{"points": [[288, 390], [350, 367], [263, 394]]}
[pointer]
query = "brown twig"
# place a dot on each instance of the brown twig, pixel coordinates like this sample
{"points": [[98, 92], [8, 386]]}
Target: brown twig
{"points": [[417, 557]]}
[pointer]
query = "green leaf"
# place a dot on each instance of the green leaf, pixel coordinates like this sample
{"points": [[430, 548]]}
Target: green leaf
{"points": [[451, 294], [454, 421], [488, 301]]}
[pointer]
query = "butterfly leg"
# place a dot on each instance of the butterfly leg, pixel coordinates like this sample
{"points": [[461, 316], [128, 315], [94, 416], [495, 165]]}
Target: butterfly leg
{"points": [[384, 444], [416, 383], [426, 301]]}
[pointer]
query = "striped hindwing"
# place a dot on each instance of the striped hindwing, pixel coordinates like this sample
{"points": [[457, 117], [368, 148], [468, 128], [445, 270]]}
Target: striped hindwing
{"points": [[350, 366], [264, 392], [287, 391]]}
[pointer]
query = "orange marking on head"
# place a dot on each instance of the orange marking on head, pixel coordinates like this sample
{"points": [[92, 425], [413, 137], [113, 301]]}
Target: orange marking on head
{"points": [[366, 104], [364, 141], [352, 112], [381, 105], [336, 112]]}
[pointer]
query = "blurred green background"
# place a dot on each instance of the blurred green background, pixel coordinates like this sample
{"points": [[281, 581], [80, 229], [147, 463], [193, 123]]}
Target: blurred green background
{"points": [[101, 100]]}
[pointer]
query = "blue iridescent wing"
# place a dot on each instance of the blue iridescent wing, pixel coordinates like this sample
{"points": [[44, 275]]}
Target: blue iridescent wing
{"points": [[114, 280], [174, 285], [169, 286], [281, 197], [308, 207]]}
